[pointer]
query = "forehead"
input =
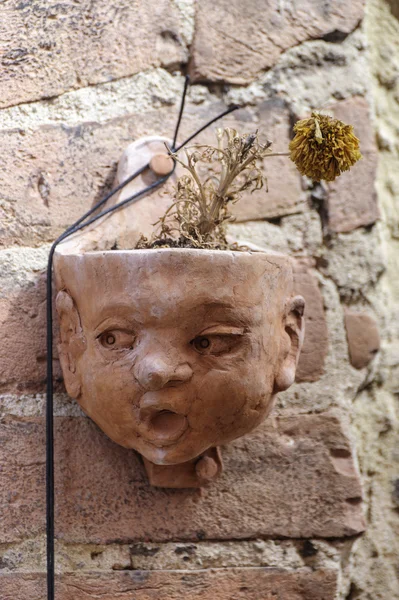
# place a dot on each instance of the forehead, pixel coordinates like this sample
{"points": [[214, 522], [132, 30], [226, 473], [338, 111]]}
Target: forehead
{"points": [[176, 286]]}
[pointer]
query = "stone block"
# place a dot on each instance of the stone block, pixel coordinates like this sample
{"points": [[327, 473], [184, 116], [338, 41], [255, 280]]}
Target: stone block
{"points": [[315, 347], [363, 338], [235, 46], [292, 477], [212, 584], [48, 49], [352, 198]]}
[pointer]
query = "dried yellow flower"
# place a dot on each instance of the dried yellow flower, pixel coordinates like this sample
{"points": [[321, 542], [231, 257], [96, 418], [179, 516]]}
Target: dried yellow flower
{"points": [[323, 147]]}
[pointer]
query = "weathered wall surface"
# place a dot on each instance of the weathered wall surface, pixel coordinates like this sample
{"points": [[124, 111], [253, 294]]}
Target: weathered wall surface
{"points": [[78, 82]]}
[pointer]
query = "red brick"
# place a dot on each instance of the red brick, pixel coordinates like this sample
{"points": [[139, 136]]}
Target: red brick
{"points": [[315, 347], [292, 477], [235, 47], [22, 480], [20, 586], [363, 338], [48, 49], [219, 584], [23, 331], [352, 198]]}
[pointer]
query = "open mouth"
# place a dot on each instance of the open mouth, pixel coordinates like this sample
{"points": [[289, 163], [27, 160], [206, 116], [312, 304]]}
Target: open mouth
{"points": [[165, 427]]}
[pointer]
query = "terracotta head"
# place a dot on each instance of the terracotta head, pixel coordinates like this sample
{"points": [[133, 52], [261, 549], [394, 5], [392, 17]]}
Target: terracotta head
{"points": [[174, 351]]}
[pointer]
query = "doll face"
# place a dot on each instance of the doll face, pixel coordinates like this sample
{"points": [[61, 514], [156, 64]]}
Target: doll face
{"points": [[176, 358]]}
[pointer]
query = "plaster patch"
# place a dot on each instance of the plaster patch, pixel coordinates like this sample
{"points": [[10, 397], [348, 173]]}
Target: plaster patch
{"points": [[34, 405], [261, 233], [20, 265], [137, 94], [342, 69], [186, 10], [354, 261], [30, 555]]}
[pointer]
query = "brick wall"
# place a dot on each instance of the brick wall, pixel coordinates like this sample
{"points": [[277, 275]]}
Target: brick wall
{"points": [[78, 83]]}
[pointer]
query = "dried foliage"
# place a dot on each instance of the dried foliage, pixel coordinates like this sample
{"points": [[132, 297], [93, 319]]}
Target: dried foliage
{"points": [[197, 216], [323, 147]]}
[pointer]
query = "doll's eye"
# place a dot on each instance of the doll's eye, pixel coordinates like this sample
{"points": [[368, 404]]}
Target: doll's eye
{"points": [[215, 344], [116, 339], [109, 339], [201, 343]]}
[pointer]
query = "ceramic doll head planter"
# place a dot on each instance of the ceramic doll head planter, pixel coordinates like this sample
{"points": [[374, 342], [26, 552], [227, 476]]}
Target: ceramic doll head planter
{"points": [[175, 350]]}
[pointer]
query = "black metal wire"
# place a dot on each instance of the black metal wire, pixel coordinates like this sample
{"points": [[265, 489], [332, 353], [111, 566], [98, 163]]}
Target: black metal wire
{"points": [[223, 114], [179, 118], [77, 226]]}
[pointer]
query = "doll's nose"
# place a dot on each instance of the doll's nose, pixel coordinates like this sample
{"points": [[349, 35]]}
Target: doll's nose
{"points": [[156, 373]]}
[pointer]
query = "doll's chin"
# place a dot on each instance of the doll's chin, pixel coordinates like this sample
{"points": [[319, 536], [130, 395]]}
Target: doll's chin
{"points": [[171, 455]]}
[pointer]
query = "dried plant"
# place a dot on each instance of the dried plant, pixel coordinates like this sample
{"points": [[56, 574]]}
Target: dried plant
{"points": [[323, 147], [197, 216]]}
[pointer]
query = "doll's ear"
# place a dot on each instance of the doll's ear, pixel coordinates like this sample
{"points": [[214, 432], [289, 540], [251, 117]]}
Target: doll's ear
{"points": [[72, 344], [291, 344]]}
